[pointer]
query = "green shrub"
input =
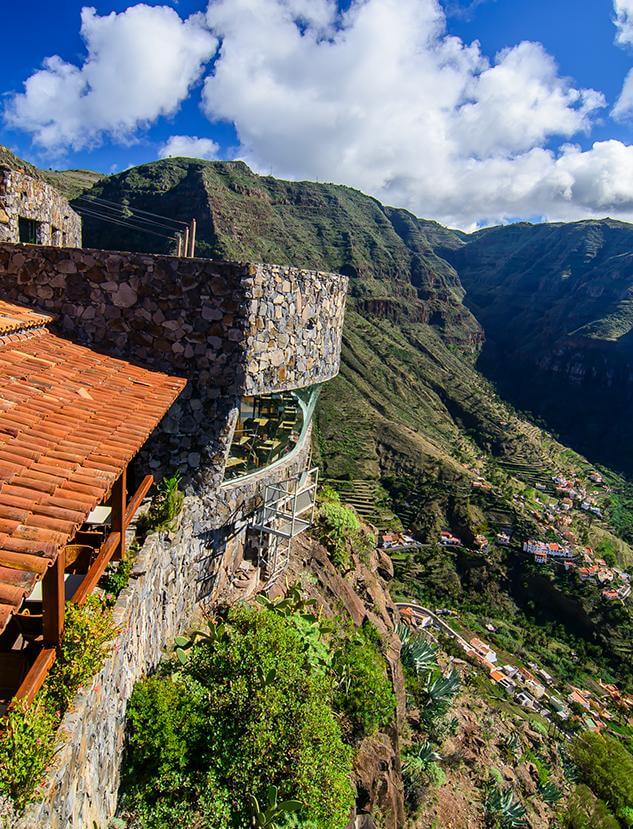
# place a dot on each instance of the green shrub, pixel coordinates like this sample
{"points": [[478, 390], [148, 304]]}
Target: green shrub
{"points": [[115, 579], [27, 732], [606, 766], [364, 693], [165, 507], [26, 747], [585, 811], [88, 633], [337, 528], [248, 709]]}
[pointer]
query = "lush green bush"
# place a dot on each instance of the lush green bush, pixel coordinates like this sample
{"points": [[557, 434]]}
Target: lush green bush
{"points": [[364, 693], [27, 733], [88, 633], [585, 811], [607, 767], [341, 531], [165, 507], [248, 709], [337, 527], [26, 748]]}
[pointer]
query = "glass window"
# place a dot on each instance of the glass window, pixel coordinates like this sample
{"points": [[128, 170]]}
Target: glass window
{"points": [[28, 230], [268, 428]]}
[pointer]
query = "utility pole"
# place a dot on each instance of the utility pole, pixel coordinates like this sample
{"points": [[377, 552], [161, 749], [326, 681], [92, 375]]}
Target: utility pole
{"points": [[192, 239]]}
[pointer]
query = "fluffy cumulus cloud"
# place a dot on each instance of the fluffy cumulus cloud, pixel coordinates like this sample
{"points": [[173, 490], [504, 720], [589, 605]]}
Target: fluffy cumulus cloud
{"points": [[380, 97], [623, 108], [383, 98], [140, 64], [189, 146], [624, 20]]}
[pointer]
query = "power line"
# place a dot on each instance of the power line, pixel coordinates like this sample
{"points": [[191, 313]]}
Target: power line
{"points": [[119, 213], [129, 207], [105, 218]]}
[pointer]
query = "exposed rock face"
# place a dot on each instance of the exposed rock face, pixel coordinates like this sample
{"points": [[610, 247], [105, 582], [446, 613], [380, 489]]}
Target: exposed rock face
{"points": [[362, 594], [24, 196]]}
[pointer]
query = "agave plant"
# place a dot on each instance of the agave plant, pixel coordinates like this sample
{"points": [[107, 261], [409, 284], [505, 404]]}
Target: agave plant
{"points": [[570, 769], [505, 809], [512, 744], [292, 602], [550, 793], [440, 689], [425, 753], [416, 653], [273, 812]]}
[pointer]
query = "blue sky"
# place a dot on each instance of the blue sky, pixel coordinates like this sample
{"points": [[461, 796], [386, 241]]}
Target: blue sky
{"points": [[320, 141]]}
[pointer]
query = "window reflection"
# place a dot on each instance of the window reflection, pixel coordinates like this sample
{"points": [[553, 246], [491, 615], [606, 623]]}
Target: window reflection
{"points": [[269, 426]]}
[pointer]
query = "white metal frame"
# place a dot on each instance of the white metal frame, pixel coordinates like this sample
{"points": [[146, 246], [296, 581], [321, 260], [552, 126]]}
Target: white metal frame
{"points": [[282, 517]]}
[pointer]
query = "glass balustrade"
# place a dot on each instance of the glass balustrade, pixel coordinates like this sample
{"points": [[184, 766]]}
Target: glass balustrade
{"points": [[269, 427]]}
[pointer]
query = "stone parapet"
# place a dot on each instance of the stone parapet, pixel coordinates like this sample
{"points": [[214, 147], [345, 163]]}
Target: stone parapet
{"points": [[230, 328]]}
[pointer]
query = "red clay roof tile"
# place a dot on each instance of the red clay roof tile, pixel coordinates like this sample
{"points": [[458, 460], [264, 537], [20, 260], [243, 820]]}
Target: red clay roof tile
{"points": [[71, 420], [15, 318]]}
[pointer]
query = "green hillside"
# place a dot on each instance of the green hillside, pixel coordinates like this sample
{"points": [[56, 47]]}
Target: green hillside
{"points": [[408, 397], [556, 302], [71, 183]]}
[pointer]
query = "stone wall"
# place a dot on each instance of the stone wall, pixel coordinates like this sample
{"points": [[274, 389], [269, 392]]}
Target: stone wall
{"points": [[230, 328], [173, 577], [81, 786], [27, 197]]}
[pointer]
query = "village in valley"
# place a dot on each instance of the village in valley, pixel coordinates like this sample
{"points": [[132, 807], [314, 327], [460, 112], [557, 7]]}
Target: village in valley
{"points": [[562, 508]]}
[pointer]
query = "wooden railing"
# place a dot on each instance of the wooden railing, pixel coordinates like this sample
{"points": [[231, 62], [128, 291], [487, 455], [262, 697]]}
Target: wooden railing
{"points": [[53, 587]]}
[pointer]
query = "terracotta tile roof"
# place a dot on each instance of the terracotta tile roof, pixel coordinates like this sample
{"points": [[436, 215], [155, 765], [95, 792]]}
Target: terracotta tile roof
{"points": [[71, 420], [15, 318]]}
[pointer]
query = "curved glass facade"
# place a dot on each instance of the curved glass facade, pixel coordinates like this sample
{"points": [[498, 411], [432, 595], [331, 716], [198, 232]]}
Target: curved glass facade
{"points": [[268, 428]]}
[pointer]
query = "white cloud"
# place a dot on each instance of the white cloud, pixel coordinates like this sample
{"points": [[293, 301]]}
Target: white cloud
{"points": [[189, 146], [624, 105], [140, 65], [624, 21], [623, 9], [380, 97], [383, 99]]}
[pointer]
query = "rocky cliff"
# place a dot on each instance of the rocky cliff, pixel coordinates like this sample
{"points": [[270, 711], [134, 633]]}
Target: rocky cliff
{"points": [[556, 302]]}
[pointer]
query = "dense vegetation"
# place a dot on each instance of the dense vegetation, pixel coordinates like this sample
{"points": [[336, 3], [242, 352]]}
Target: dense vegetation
{"points": [[270, 696], [27, 733]]}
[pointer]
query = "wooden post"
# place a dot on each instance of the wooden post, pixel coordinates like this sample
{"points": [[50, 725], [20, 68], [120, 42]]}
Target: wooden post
{"points": [[179, 239], [53, 601], [119, 505], [186, 245], [192, 240]]}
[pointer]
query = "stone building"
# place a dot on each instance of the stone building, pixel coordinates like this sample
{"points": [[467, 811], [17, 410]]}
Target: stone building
{"points": [[33, 212], [240, 351]]}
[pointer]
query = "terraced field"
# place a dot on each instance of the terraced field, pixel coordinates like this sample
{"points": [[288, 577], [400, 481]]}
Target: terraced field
{"points": [[368, 499]]}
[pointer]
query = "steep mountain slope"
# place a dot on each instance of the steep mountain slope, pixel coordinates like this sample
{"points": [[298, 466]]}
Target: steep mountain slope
{"points": [[556, 303], [71, 183], [408, 401]]}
